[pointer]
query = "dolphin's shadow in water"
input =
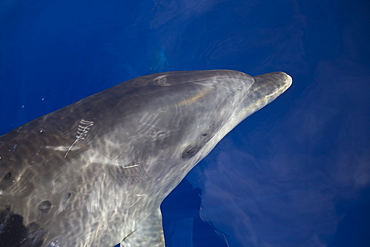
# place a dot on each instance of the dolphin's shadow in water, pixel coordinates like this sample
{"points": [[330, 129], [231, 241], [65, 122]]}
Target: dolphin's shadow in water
{"points": [[181, 209]]}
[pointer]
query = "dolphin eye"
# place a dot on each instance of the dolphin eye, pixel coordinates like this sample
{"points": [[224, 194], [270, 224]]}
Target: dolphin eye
{"points": [[189, 152]]}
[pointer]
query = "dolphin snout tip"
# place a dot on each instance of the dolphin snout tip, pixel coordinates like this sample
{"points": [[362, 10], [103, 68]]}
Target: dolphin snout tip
{"points": [[286, 78]]}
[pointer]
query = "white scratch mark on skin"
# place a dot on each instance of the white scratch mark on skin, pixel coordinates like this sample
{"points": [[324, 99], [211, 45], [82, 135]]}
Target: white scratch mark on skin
{"points": [[82, 130], [130, 166], [141, 196]]}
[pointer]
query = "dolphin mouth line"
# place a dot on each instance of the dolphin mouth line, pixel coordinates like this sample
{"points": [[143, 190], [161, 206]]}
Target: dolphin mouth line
{"points": [[277, 92]]}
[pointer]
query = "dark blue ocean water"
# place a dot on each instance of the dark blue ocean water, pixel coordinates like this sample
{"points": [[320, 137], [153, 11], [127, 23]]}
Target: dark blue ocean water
{"points": [[296, 173]]}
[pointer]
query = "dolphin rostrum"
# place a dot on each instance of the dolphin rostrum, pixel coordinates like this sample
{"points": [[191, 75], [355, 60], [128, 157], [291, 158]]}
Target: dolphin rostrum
{"points": [[94, 173]]}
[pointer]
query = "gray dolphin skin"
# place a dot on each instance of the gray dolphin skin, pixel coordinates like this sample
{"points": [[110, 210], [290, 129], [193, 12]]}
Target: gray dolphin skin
{"points": [[94, 173]]}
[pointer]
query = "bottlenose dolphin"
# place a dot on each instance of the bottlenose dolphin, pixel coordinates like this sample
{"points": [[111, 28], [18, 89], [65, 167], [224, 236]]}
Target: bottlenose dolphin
{"points": [[94, 173]]}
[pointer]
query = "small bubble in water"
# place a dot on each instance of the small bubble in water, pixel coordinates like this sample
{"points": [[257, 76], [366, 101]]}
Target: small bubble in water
{"points": [[22, 106], [42, 99]]}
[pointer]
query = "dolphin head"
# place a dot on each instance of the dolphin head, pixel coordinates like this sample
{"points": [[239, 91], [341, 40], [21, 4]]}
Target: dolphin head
{"points": [[180, 116]]}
